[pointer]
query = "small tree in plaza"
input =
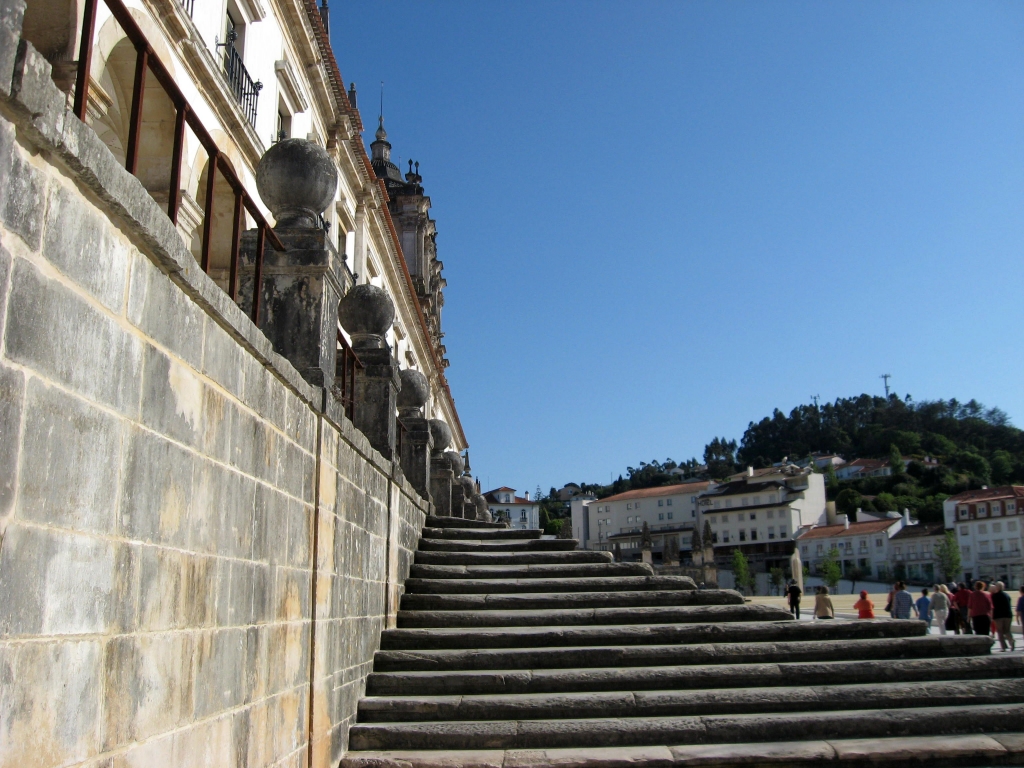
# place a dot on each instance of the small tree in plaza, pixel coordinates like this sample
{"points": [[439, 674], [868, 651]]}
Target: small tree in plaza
{"points": [[741, 571], [831, 572], [948, 553], [778, 578]]}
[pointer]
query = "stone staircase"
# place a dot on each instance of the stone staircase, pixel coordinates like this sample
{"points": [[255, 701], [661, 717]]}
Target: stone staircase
{"points": [[517, 650]]}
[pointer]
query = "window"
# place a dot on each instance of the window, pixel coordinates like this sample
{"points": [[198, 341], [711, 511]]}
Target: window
{"points": [[999, 545], [284, 123], [803, 549], [693, 499], [522, 515], [982, 510], [997, 527], [728, 502], [1011, 506], [743, 535], [964, 530], [661, 515], [661, 503], [753, 534], [668, 502], [753, 516], [746, 501], [757, 500], [897, 550], [962, 512], [725, 518], [771, 514], [669, 515], [1011, 526], [718, 504], [629, 506], [771, 498], [782, 532], [982, 528], [996, 509], [879, 542], [714, 537], [713, 520], [725, 537], [637, 506], [821, 549], [966, 553]]}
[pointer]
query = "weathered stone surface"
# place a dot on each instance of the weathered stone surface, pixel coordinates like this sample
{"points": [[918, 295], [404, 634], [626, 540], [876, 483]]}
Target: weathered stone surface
{"points": [[550, 571], [466, 545], [12, 398], [532, 601], [297, 180], [511, 558], [23, 194], [568, 584]]}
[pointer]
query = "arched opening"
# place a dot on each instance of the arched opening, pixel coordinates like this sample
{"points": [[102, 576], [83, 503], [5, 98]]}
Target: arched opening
{"points": [[221, 236], [52, 27], [110, 117]]}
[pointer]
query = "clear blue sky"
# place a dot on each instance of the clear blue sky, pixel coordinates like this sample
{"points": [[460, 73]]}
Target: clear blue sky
{"points": [[661, 220]]}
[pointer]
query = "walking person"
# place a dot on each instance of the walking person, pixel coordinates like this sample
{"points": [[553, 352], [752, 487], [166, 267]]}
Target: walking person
{"points": [[1020, 608], [940, 606], [923, 608], [963, 599], [980, 608], [1002, 616], [865, 608], [902, 602], [823, 604], [794, 593]]}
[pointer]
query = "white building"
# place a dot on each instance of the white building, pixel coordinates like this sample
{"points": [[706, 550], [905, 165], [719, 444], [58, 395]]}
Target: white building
{"points": [[519, 511], [860, 468], [759, 511], [669, 510], [989, 524], [863, 545], [912, 553]]}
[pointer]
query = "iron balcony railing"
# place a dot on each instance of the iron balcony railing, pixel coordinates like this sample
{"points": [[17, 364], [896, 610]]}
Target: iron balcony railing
{"points": [[246, 90], [1013, 554], [188, 6]]}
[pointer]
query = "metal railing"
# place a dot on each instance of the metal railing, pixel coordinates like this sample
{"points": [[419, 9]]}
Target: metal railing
{"points": [[188, 5], [1013, 554], [246, 89], [345, 382], [146, 61]]}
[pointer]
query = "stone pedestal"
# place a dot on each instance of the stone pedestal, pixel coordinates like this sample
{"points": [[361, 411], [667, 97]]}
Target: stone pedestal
{"points": [[300, 291], [441, 479], [418, 440], [459, 500], [646, 556], [376, 399]]}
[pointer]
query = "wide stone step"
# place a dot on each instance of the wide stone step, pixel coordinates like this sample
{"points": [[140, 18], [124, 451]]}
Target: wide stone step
{"points": [[783, 631], [542, 600], [435, 521], [936, 751], [580, 658], [477, 534], [672, 614], [556, 571], [574, 557], [590, 584], [509, 682], [707, 729], [668, 703], [513, 545]]}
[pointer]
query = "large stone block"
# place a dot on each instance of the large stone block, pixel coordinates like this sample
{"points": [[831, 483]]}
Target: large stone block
{"points": [[23, 193], [172, 398], [65, 583], [160, 588], [222, 511], [223, 358], [49, 696], [147, 686], [57, 333], [158, 307], [12, 14], [82, 244], [6, 264], [220, 680], [61, 483], [12, 397], [157, 489]]}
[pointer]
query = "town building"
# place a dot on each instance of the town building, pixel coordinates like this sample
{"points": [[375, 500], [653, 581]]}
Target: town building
{"points": [[989, 524], [861, 468], [912, 553], [518, 511], [759, 512], [861, 545], [668, 510]]}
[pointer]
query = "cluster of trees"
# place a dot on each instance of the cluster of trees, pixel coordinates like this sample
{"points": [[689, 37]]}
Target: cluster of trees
{"points": [[974, 446]]}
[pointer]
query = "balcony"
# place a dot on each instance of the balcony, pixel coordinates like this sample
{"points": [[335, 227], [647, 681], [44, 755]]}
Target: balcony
{"points": [[1013, 554], [245, 89]]}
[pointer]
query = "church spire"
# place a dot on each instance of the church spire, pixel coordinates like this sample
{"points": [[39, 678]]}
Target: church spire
{"points": [[381, 148]]}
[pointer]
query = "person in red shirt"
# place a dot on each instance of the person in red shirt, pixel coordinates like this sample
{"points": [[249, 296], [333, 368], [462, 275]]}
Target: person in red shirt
{"points": [[962, 598], [980, 607], [865, 608]]}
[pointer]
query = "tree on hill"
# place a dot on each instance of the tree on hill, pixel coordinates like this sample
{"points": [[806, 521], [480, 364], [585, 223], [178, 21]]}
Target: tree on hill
{"points": [[720, 457], [948, 554]]}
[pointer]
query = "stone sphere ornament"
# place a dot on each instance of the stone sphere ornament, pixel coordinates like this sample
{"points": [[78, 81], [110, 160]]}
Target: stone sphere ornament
{"points": [[366, 312], [297, 181], [441, 434], [456, 461], [415, 390]]}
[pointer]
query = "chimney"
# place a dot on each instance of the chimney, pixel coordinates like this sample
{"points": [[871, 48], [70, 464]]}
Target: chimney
{"points": [[527, 497], [846, 522], [906, 516], [750, 471]]}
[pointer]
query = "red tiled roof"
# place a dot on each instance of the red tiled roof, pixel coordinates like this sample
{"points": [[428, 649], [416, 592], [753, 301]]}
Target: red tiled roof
{"points": [[855, 529], [989, 494], [661, 490]]}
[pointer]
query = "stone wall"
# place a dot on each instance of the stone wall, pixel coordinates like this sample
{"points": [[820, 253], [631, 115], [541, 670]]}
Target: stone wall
{"points": [[196, 560]]}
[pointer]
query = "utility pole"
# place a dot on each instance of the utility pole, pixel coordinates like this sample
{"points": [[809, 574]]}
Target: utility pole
{"points": [[886, 377], [815, 399]]}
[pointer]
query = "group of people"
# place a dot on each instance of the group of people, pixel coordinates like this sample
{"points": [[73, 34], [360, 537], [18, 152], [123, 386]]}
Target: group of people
{"points": [[984, 610]]}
